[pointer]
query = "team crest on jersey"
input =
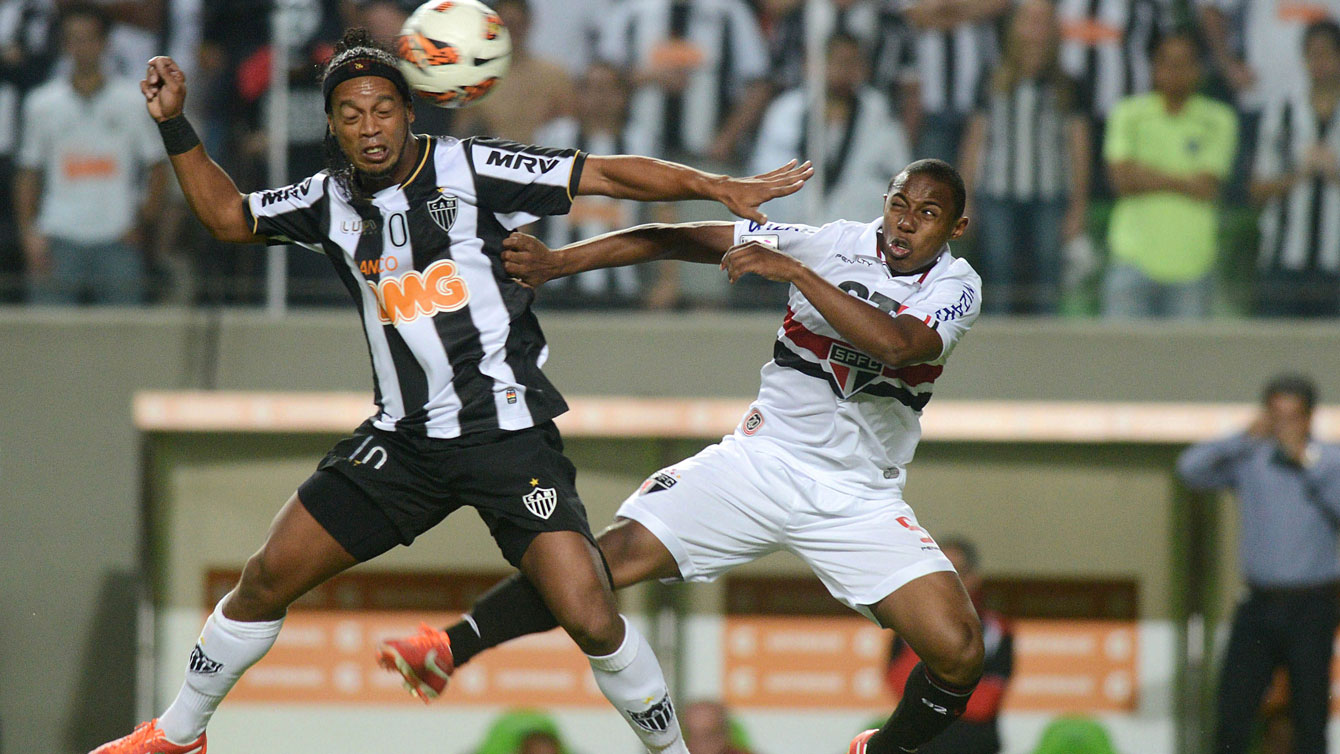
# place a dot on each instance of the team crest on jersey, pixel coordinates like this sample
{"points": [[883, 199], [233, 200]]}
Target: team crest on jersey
{"points": [[852, 370], [752, 421], [541, 501], [661, 480], [442, 208]]}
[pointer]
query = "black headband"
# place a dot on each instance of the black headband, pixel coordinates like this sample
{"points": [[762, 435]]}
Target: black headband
{"points": [[363, 65]]}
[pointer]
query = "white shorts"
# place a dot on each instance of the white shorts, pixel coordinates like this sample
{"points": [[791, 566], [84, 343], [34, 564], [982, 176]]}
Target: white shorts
{"points": [[728, 505]]}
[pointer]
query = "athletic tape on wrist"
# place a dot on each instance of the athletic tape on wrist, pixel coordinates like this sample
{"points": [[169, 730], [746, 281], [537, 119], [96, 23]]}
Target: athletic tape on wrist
{"points": [[178, 136]]}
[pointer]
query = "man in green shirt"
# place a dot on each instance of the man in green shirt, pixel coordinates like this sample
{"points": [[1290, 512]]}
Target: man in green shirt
{"points": [[1167, 153]]}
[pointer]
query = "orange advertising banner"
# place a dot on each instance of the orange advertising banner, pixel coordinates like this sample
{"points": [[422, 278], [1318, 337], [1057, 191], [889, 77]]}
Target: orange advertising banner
{"points": [[327, 657], [1059, 666]]}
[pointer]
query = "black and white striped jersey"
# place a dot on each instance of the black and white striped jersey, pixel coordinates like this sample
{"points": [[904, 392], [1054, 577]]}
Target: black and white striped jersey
{"points": [[1025, 154], [455, 347], [950, 63], [1300, 231], [1105, 47]]}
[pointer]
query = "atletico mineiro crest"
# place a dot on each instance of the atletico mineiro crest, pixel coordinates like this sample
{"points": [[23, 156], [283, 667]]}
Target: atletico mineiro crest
{"points": [[541, 501], [442, 208], [852, 370]]}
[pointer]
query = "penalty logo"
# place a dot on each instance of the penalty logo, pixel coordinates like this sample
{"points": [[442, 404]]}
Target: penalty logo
{"points": [[541, 501], [442, 208], [656, 718]]}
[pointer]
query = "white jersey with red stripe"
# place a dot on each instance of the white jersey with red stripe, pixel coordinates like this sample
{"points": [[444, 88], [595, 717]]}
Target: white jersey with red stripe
{"points": [[848, 420]]}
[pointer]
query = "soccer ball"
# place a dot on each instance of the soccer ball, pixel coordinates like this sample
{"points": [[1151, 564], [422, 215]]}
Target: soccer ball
{"points": [[453, 52]]}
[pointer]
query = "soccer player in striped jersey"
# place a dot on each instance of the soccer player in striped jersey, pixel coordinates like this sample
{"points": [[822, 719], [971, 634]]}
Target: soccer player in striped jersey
{"points": [[818, 463], [414, 228]]}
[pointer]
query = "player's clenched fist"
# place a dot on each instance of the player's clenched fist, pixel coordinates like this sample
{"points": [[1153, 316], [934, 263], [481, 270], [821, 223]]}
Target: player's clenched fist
{"points": [[765, 261], [164, 88], [529, 261]]}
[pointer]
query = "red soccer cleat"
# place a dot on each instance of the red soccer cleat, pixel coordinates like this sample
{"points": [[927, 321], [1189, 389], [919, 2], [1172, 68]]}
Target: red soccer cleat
{"points": [[858, 743], [423, 660], [148, 739]]}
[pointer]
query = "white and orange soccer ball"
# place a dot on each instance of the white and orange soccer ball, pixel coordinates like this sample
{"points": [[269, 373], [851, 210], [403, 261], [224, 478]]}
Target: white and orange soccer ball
{"points": [[453, 52]]}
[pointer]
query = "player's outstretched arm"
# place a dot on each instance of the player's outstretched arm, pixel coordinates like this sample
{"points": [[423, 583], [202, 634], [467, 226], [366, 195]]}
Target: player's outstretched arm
{"points": [[213, 196], [531, 262], [894, 341], [651, 180]]}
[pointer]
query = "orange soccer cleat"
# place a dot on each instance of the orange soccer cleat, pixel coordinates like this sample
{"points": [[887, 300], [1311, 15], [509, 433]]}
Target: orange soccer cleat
{"points": [[148, 739], [858, 743], [423, 660]]}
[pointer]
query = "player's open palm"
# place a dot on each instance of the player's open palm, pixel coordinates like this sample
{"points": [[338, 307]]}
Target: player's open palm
{"points": [[743, 196], [164, 88], [529, 261]]}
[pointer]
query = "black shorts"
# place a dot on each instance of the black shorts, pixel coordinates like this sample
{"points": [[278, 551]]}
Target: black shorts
{"points": [[378, 489]]}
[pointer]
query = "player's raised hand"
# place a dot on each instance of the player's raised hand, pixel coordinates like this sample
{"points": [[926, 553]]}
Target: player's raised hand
{"points": [[164, 88], [758, 259], [529, 261], [743, 196]]}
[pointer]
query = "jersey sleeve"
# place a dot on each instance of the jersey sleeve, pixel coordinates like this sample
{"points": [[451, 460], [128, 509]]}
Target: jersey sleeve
{"points": [[292, 214], [519, 183], [795, 241], [949, 306]]}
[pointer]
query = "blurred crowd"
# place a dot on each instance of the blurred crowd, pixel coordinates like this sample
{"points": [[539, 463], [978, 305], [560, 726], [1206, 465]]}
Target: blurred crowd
{"points": [[1125, 158]]}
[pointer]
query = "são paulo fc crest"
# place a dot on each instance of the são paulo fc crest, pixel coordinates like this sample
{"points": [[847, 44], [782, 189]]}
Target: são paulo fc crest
{"points": [[541, 501], [752, 421], [852, 370], [442, 208]]}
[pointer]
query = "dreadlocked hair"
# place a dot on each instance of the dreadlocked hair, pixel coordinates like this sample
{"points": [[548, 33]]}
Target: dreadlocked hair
{"points": [[356, 43]]}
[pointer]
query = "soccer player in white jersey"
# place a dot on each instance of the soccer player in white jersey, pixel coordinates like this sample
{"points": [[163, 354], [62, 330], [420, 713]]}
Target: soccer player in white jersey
{"points": [[414, 228], [817, 465]]}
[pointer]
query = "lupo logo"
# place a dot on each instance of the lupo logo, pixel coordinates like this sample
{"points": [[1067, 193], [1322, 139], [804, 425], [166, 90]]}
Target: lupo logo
{"points": [[414, 294]]}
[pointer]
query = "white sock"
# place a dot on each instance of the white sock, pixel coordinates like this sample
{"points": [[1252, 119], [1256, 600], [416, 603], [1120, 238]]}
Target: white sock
{"points": [[225, 649], [631, 679]]}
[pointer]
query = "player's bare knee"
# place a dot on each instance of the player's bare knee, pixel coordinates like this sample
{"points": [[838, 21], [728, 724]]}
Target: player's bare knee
{"points": [[963, 652], [597, 631], [259, 595]]}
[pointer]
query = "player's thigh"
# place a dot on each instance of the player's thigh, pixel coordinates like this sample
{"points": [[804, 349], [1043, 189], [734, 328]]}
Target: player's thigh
{"points": [[935, 616], [863, 550], [712, 512], [566, 569], [298, 554], [634, 554]]}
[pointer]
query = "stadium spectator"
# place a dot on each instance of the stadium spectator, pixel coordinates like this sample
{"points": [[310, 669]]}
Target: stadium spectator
{"points": [[522, 731], [535, 91], [878, 25], [26, 54], [1287, 487], [90, 175], [690, 59], [1167, 154], [955, 46], [1026, 156], [864, 143], [978, 730], [1297, 178], [1105, 47], [1253, 44], [568, 32], [1254, 49], [709, 729], [600, 126]]}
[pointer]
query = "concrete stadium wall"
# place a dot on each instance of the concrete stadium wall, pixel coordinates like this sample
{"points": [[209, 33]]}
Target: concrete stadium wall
{"points": [[70, 528]]}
